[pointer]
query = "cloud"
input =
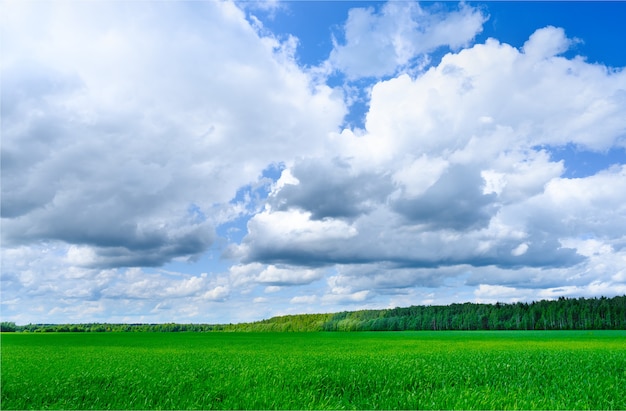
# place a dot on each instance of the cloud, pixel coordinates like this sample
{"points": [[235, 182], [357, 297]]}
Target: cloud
{"points": [[127, 135], [384, 236], [292, 237], [594, 204], [273, 275], [547, 42], [287, 276], [345, 298], [48, 281], [491, 294], [455, 201], [332, 190], [386, 278], [304, 299], [456, 167], [378, 43]]}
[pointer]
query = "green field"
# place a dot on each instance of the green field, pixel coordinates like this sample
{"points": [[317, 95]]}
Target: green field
{"points": [[402, 370]]}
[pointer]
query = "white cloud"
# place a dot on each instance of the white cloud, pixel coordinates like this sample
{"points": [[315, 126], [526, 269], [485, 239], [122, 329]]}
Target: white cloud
{"points": [[274, 276], [341, 298], [589, 247], [288, 275], [218, 293], [303, 299], [378, 43], [497, 293], [529, 103], [571, 208], [547, 42], [291, 230], [419, 174], [44, 286], [121, 136], [521, 174], [520, 250], [460, 158]]}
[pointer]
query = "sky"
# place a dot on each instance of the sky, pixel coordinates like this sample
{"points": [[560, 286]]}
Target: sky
{"points": [[218, 161]]}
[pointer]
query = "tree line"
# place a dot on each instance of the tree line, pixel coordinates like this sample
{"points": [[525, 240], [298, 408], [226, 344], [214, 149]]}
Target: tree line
{"points": [[561, 314], [112, 327]]}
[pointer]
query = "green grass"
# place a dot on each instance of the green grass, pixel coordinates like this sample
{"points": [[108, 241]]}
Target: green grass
{"points": [[404, 370]]}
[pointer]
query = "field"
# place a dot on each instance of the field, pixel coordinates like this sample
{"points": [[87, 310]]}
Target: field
{"points": [[386, 370]]}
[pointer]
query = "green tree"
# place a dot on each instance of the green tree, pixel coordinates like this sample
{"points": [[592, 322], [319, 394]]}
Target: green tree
{"points": [[7, 327]]}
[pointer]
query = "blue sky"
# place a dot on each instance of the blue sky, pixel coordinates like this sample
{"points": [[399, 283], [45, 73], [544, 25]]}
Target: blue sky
{"points": [[225, 162]]}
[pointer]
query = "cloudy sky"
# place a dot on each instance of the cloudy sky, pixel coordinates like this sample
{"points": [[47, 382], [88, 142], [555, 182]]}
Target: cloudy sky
{"points": [[219, 162]]}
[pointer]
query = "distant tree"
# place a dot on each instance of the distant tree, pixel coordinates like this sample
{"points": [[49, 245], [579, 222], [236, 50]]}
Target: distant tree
{"points": [[7, 327], [564, 313]]}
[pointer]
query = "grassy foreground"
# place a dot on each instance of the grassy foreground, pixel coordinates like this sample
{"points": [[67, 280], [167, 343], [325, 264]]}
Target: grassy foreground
{"points": [[402, 370]]}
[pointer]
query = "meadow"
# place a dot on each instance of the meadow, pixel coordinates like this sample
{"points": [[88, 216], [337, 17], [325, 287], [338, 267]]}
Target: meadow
{"points": [[365, 370]]}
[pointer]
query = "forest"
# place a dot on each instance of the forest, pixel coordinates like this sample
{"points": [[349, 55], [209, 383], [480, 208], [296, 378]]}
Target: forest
{"points": [[562, 314]]}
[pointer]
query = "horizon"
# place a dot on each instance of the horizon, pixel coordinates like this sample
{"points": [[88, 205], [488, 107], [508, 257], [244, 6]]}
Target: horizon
{"points": [[228, 162], [327, 313]]}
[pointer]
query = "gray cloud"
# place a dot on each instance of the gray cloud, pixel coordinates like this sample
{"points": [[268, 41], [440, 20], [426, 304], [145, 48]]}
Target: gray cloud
{"points": [[332, 189], [456, 201], [466, 189], [109, 141], [385, 237]]}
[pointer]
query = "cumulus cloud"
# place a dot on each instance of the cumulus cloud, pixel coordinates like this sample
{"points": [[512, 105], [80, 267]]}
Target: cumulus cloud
{"points": [[303, 299], [292, 237], [273, 275], [456, 168], [332, 190], [64, 291], [548, 42], [378, 43], [456, 201], [595, 205], [126, 136]]}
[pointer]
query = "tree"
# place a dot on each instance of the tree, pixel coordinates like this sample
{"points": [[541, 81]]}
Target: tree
{"points": [[7, 327]]}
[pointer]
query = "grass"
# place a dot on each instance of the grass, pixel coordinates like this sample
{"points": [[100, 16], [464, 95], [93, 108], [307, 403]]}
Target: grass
{"points": [[403, 370]]}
